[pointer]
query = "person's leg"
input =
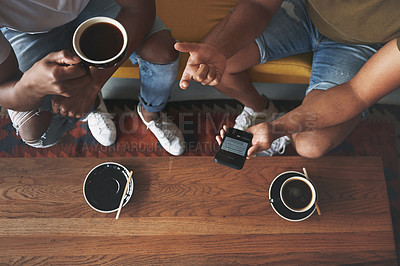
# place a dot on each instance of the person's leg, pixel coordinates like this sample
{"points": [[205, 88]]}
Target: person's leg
{"points": [[316, 143], [42, 128], [290, 32], [158, 67], [158, 63], [30, 125], [33, 126], [333, 64]]}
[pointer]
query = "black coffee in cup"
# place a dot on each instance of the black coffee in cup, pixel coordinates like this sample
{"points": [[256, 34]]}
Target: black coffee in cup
{"points": [[296, 194], [101, 41]]}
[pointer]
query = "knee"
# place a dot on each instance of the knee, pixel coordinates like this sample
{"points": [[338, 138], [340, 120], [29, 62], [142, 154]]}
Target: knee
{"points": [[33, 130], [31, 136], [159, 48], [309, 149], [39, 140], [39, 143]]}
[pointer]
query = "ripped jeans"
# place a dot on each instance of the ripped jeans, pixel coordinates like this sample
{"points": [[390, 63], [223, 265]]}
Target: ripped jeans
{"points": [[291, 32], [156, 79]]}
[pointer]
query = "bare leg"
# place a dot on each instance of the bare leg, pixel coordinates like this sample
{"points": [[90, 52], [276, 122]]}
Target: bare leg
{"points": [[316, 143], [159, 48], [33, 128]]}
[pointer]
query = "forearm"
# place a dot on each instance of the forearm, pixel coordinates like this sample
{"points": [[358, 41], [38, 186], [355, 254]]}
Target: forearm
{"points": [[15, 98], [15, 94], [377, 78], [247, 21], [325, 109]]}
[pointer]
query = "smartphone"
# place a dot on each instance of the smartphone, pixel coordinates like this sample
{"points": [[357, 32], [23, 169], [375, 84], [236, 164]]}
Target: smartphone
{"points": [[233, 149]]}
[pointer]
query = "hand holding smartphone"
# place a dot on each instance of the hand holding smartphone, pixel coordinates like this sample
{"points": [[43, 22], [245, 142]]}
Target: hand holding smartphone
{"points": [[233, 149]]}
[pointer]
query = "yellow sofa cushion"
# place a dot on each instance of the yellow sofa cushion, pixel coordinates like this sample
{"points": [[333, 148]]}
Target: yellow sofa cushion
{"points": [[190, 20]]}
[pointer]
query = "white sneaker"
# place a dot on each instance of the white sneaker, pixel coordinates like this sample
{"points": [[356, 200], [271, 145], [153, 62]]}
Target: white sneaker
{"points": [[277, 146], [248, 117], [101, 125], [167, 133]]}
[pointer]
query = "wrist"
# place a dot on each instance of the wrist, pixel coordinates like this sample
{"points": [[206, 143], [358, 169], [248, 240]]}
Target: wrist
{"points": [[222, 53], [216, 50], [21, 86], [98, 79]]}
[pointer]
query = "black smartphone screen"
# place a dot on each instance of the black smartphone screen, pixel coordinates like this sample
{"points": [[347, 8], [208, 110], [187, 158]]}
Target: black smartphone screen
{"points": [[233, 149], [235, 146]]}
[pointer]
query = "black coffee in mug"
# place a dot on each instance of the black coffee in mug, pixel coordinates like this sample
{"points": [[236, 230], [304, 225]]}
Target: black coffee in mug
{"points": [[296, 194], [101, 41]]}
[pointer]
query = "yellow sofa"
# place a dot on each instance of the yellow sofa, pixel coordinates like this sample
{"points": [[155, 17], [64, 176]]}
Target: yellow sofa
{"points": [[190, 20]]}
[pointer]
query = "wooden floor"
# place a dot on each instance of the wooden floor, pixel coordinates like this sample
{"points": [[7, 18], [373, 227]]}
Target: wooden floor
{"points": [[190, 210]]}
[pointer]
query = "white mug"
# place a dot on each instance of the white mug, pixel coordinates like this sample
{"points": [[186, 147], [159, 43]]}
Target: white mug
{"points": [[100, 42], [298, 194]]}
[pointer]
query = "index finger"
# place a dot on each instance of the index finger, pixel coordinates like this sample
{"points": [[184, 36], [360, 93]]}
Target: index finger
{"points": [[63, 57], [69, 72]]}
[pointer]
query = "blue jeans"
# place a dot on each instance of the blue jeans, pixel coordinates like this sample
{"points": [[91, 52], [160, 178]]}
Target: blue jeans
{"points": [[291, 32], [156, 79]]}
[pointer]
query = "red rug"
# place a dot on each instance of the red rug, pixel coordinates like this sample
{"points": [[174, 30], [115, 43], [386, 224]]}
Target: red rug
{"points": [[199, 121]]}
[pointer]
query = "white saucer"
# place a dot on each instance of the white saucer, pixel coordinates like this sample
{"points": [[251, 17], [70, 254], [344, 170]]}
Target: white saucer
{"points": [[277, 204]]}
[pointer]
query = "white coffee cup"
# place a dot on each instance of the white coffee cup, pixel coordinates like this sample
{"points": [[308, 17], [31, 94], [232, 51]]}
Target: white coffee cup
{"points": [[298, 194], [100, 42]]}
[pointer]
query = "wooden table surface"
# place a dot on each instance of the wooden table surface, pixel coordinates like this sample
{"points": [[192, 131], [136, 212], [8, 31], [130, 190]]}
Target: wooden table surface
{"points": [[190, 210]]}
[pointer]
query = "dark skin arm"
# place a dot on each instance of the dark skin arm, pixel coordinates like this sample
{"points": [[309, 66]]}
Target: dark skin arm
{"points": [[207, 60], [377, 78], [57, 73], [137, 16]]}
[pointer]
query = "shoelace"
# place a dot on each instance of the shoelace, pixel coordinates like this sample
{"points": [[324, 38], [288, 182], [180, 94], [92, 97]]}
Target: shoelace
{"points": [[164, 133], [279, 145], [102, 117], [244, 118]]}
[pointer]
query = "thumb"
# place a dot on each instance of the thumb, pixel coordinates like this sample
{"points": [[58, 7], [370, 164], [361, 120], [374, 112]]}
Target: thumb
{"points": [[253, 150], [64, 57], [187, 47], [257, 146]]}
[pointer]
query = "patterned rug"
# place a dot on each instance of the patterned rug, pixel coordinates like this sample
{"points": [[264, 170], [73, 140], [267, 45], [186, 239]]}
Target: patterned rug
{"points": [[200, 122]]}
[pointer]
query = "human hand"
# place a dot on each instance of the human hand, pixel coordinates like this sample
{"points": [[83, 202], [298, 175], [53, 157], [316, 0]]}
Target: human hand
{"points": [[58, 73], [262, 138], [76, 107], [221, 134], [205, 64]]}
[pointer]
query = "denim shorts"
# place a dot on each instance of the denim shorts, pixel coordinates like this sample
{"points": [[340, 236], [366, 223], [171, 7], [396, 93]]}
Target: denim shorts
{"points": [[291, 32], [30, 48]]}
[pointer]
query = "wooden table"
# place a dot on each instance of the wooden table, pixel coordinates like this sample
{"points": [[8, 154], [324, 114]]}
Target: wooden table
{"points": [[190, 210]]}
